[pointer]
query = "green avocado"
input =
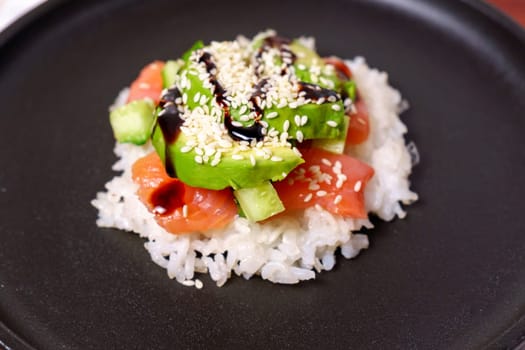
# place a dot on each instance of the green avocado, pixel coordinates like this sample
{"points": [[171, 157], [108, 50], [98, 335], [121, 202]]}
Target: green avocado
{"points": [[237, 168], [306, 58], [311, 120]]}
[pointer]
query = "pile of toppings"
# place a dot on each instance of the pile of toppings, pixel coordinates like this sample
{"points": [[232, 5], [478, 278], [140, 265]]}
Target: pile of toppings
{"points": [[263, 123]]}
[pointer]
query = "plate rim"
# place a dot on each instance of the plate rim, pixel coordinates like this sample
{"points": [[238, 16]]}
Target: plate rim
{"points": [[513, 336]]}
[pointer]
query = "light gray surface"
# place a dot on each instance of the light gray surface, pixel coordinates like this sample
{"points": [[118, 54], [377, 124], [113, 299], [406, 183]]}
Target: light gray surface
{"points": [[10, 10]]}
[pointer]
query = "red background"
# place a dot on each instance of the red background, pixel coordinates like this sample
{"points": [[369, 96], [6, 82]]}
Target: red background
{"points": [[513, 8]]}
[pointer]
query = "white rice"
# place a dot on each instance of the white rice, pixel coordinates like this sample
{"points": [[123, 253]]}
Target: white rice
{"points": [[286, 249]]}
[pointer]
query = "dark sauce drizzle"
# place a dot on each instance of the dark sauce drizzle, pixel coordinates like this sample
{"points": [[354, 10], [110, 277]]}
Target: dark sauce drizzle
{"points": [[316, 92], [169, 121], [281, 43], [167, 198], [238, 133]]}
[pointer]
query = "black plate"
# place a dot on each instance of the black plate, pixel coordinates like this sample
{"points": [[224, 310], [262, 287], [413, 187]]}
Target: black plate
{"points": [[450, 276]]}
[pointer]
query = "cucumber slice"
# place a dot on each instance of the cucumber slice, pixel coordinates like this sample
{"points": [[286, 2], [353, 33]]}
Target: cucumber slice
{"points": [[335, 145], [133, 122], [170, 70], [259, 203]]}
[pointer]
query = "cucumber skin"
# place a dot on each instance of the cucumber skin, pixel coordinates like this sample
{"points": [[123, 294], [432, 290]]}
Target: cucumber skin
{"points": [[259, 203], [133, 122]]}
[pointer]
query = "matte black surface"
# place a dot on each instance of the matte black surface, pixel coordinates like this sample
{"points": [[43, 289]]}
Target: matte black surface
{"points": [[450, 276]]}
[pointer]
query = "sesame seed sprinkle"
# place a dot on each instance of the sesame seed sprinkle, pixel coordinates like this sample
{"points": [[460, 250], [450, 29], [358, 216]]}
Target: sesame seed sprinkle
{"points": [[304, 120], [338, 199], [336, 107], [297, 120], [286, 125], [272, 115], [299, 136], [357, 186], [326, 162], [308, 197], [197, 97], [185, 211], [331, 123], [321, 193]]}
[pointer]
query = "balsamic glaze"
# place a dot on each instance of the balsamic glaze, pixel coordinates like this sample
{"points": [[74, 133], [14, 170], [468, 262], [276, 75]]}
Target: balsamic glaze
{"points": [[281, 43], [316, 92], [169, 121], [167, 198], [238, 133]]}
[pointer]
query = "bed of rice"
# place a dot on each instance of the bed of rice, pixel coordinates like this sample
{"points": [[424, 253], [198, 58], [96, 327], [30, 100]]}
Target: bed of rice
{"points": [[288, 249]]}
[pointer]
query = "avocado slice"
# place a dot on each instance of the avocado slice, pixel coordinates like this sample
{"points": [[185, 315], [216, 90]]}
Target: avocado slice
{"points": [[237, 168], [305, 59]]}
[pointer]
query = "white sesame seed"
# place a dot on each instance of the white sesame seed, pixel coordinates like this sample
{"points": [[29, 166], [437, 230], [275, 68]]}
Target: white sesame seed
{"points": [[321, 193], [198, 284], [198, 159], [186, 149], [304, 120], [332, 98], [286, 125], [331, 123], [321, 101], [361, 121], [237, 157], [293, 105], [338, 199], [243, 109], [301, 66], [185, 211], [244, 118], [336, 107], [297, 120], [144, 86], [185, 98], [357, 186], [203, 100], [197, 97], [296, 151], [313, 186], [308, 197], [272, 115], [276, 159], [188, 283], [236, 124], [252, 160], [326, 162], [316, 169], [299, 136], [159, 210]]}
